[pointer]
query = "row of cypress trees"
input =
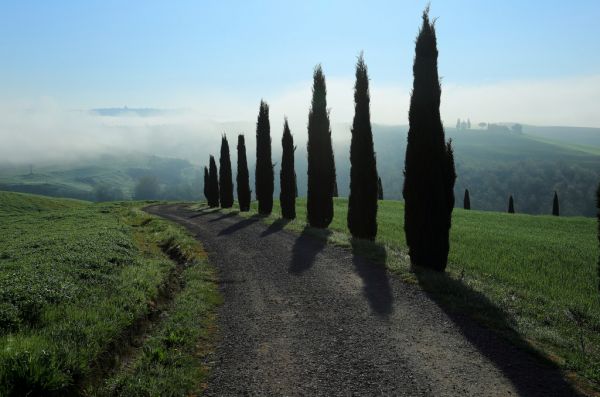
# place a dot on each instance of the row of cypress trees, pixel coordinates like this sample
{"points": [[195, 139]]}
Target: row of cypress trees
{"points": [[365, 185], [429, 165], [511, 203], [429, 170]]}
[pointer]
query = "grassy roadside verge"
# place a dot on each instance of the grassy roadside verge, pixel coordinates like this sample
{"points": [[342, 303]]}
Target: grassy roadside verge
{"points": [[531, 278], [169, 361], [77, 280]]}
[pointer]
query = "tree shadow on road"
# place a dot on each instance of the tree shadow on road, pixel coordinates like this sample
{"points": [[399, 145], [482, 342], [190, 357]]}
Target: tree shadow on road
{"points": [[531, 373], [224, 216], [306, 248], [204, 211], [240, 225], [376, 284], [274, 227]]}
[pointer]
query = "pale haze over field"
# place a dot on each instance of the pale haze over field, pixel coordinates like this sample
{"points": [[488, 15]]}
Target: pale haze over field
{"points": [[534, 62]]}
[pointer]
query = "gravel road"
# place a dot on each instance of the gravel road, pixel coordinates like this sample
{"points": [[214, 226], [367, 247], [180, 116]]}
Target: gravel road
{"points": [[304, 318]]}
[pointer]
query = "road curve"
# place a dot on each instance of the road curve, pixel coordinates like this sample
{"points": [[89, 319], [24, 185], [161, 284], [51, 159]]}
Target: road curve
{"points": [[304, 318]]}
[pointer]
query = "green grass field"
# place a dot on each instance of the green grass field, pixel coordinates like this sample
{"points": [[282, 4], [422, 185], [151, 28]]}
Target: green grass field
{"points": [[533, 278], [79, 281]]}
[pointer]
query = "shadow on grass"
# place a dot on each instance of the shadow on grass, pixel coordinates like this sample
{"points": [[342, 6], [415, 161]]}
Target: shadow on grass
{"points": [[530, 372], [376, 284], [240, 225], [224, 216], [306, 248], [275, 227]]}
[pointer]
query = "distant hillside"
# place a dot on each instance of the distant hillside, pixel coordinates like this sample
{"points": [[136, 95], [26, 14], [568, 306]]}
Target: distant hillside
{"points": [[569, 135], [118, 174], [492, 164]]}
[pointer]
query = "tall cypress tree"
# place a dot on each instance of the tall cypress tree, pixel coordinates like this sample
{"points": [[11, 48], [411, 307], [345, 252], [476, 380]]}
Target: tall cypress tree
{"points": [[213, 183], [335, 188], [243, 183], [467, 200], [295, 184], [555, 207], [362, 202], [225, 177], [287, 177], [429, 173], [379, 189], [264, 166], [511, 205], [335, 185], [206, 184], [321, 174]]}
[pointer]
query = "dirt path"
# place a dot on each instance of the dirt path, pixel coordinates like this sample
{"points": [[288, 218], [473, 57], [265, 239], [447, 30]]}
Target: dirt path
{"points": [[304, 318]]}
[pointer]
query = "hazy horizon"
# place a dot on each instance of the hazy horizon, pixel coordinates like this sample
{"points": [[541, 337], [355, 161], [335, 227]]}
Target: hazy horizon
{"points": [[213, 63]]}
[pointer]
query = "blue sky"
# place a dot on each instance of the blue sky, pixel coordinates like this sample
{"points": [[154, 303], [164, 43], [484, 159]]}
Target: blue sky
{"points": [[174, 54]]}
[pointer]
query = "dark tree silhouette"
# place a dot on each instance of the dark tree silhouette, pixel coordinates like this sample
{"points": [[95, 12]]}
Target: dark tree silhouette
{"points": [[429, 165], [321, 167], [213, 183], [555, 206], [225, 176], [335, 187], [511, 205], [362, 202], [243, 183], [264, 166], [287, 177], [206, 182], [379, 189], [467, 200]]}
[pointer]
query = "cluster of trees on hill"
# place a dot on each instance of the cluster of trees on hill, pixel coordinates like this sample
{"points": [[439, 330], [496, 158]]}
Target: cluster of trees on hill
{"points": [[429, 165], [463, 124]]}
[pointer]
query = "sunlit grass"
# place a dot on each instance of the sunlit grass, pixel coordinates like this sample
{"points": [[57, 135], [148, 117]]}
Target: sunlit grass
{"points": [[75, 276]]}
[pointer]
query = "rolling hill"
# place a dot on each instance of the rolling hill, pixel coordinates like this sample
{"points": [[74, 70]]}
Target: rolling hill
{"points": [[492, 164]]}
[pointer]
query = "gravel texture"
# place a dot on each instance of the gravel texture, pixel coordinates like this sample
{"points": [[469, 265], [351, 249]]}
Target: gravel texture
{"points": [[301, 317]]}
